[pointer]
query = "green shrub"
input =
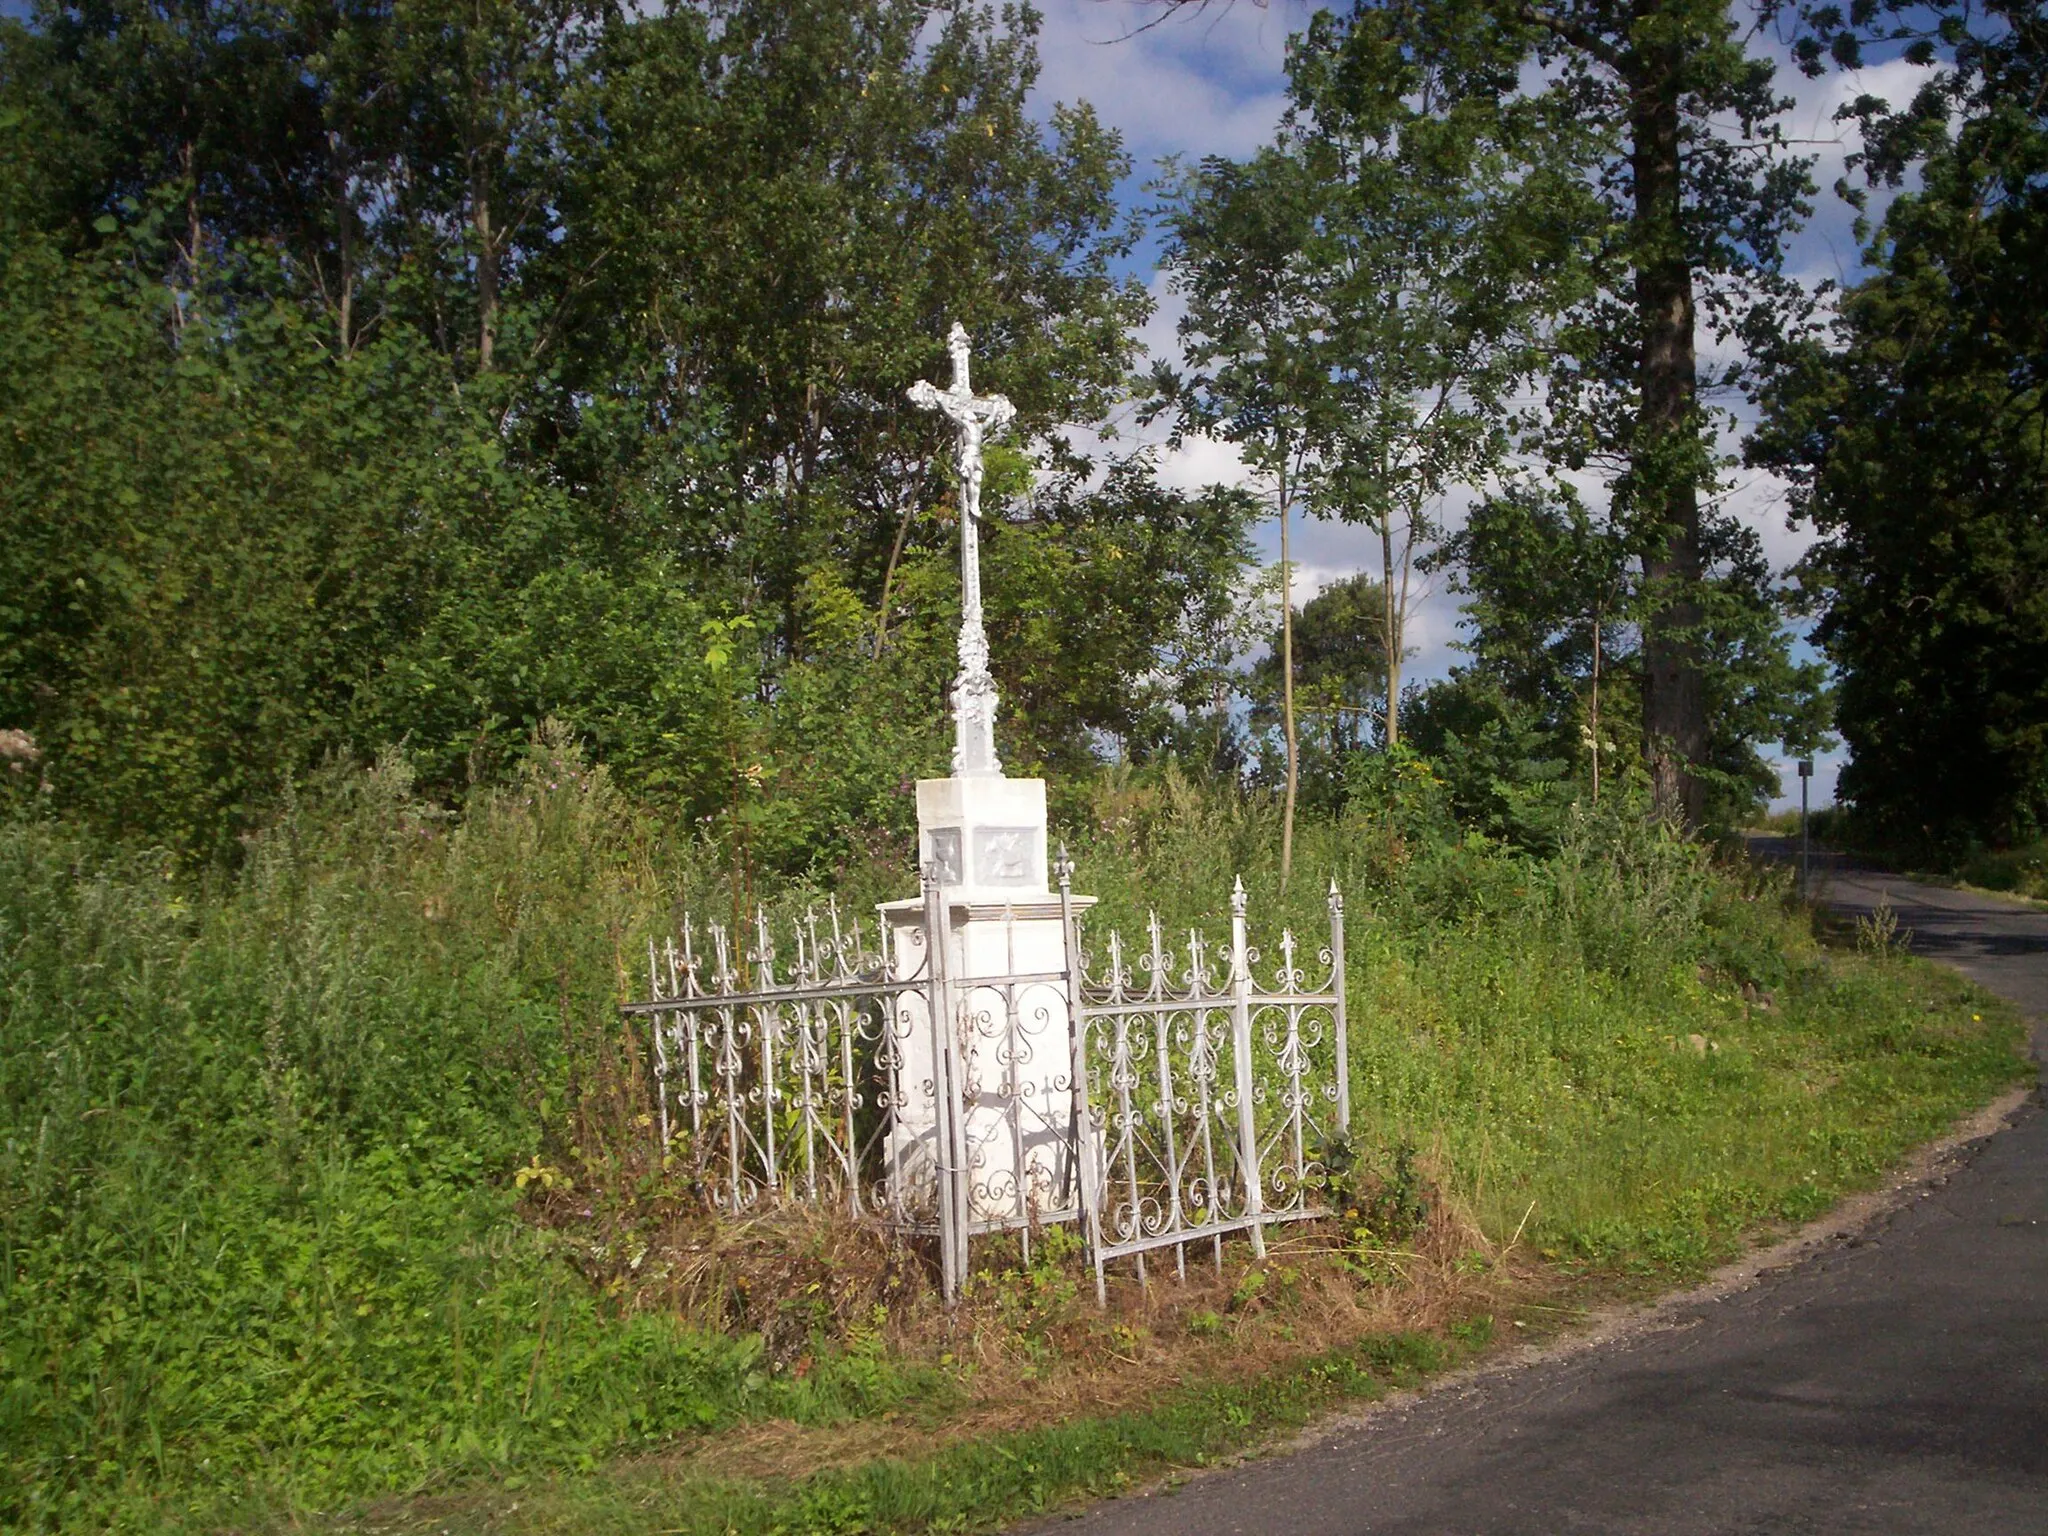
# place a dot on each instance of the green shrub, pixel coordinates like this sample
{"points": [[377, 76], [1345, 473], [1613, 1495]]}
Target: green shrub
{"points": [[255, 1147], [2022, 870]]}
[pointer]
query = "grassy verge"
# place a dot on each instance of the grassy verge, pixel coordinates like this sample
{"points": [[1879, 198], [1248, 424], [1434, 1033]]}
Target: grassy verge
{"points": [[2018, 871], [2021, 871], [971, 1485], [334, 1181], [1904, 1050]]}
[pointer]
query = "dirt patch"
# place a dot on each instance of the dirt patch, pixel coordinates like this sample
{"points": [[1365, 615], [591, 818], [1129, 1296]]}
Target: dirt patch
{"points": [[1020, 1365]]}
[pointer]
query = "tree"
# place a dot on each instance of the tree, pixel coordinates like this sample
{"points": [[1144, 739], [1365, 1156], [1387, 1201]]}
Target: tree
{"points": [[397, 160], [1340, 660], [1700, 215], [1362, 296], [387, 370], [221, 545], [1555, 606], [788, 213], [1107, 599], [1442, 208], [1237, 254], [1548, 602], [690, 256], [1686, 157], [1916, 444]]}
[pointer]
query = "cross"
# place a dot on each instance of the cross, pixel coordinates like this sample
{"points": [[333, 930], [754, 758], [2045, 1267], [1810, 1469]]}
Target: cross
{"points": [[974, 691]]}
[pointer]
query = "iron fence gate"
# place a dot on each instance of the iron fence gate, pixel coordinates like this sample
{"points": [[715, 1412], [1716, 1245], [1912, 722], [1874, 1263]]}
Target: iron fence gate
{"points": [[1158, 1096]]}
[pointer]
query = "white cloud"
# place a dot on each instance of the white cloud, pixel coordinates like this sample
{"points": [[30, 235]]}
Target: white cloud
{"points": [[1205, 81], [1826, 248]]}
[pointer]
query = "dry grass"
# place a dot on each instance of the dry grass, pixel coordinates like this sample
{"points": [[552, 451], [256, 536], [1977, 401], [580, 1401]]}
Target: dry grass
{"points": [[1027, 1345]]}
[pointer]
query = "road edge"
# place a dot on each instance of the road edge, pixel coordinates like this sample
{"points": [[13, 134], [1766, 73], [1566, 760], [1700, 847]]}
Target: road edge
{"points": [[1926, 1168]]}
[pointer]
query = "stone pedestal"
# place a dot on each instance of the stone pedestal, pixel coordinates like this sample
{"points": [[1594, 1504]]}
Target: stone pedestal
{"points": [[985, 834], [1005, 966]]}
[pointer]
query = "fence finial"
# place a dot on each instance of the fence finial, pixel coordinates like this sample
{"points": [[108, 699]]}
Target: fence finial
{"points": [[1336, 897], [1063, 868], [1237, 897]]}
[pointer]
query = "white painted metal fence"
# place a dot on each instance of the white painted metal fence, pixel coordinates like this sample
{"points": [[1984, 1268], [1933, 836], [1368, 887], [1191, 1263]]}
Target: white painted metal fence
{"points": [[1212, 1090], [1162, 1095]]}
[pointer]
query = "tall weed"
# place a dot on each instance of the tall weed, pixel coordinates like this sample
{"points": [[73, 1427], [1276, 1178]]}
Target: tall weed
{"points": [[1624, 892], [256, 1210]]}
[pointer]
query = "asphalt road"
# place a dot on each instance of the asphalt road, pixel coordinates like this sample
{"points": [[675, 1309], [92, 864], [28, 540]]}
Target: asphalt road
{"points": [[1894, 1381]]}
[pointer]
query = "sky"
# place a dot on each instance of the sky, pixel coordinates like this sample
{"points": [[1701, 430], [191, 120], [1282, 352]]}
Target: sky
{"points": [[1210, 81]]}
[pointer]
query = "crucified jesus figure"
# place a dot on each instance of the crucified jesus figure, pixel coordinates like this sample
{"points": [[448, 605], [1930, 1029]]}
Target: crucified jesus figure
{"points": [[974, 691]]}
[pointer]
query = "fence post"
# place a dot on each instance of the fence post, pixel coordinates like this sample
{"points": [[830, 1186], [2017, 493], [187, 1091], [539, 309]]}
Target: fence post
{"points": [[1081, 1154], [770, 1020], [1337, 986], [938, 996], [1241, 1054], [949, 1090], [686, 986], [660, 1047]]}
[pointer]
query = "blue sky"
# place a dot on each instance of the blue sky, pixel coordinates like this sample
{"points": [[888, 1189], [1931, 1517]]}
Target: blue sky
{"points": [[1210, 81]]}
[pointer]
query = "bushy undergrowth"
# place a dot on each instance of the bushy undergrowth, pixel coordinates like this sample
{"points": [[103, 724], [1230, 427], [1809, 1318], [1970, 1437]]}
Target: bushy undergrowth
{"points": [[257, 1193], [271, 1145], [2022, 870], [1624, 1051]]}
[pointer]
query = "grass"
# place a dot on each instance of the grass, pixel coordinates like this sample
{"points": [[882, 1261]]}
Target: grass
{"points": [[1641, 1053], [968, 1486], [2021, 871], [266, 1253]]}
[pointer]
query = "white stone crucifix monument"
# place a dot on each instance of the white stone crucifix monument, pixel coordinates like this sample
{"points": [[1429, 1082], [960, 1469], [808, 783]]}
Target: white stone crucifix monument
{"points": [[984, 836], [974, 690], [983, 832]]}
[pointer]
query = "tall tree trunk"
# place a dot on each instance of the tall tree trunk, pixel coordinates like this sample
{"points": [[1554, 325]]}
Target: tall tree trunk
{"points": [[1596, 704], [1391, 629], [1666, 460], [889, 575], [1287, 684], [486, 269], [345, 240], [194, 232]]}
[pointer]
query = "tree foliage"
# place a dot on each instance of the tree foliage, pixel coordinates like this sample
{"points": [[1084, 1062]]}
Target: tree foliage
{"points": [[1362, 297], [380, 370], [1556, 608], [1444, 211], [1916, 443], [1340, 666], [1666, 191], [1680, 152]]}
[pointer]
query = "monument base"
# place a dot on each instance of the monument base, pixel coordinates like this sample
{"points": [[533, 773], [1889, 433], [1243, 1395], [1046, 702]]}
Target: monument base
{"points": [[985, 834], [1005, 956]]}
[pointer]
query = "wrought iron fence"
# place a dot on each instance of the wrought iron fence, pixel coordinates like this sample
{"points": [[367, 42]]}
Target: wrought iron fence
{"points": [[777, 1069], [1211, 1091], [1172, 1094]]}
